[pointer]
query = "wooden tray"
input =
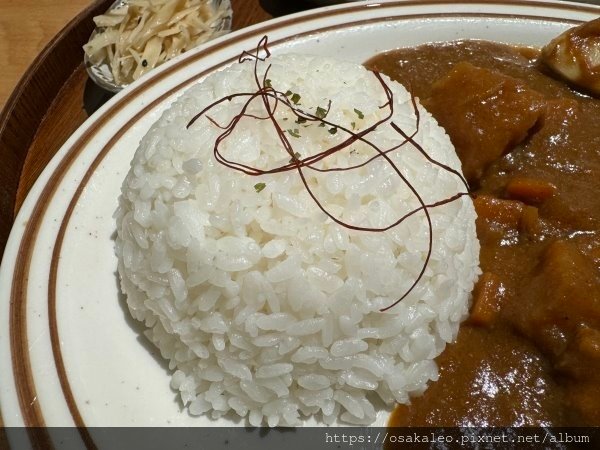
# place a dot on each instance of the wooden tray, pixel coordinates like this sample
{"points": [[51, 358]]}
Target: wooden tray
{"points": [[55, 97]]}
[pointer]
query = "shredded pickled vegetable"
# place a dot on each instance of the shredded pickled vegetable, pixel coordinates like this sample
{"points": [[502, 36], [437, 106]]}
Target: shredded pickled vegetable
{"points": [[139, 35]]}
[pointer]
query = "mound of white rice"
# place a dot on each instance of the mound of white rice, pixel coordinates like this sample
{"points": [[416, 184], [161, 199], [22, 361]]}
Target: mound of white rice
{"points": [[264, 306]]}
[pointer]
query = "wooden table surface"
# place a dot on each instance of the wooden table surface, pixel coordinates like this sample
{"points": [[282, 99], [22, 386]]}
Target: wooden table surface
{"points": [[26, 26]]}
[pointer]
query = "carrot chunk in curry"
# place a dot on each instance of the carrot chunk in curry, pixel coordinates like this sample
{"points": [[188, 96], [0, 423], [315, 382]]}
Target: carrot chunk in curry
{"points": [[530, 190]]}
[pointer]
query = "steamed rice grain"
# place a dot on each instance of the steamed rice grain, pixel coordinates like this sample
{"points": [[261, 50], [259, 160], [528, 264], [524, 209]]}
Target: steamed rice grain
{"points": [[264, 307]]}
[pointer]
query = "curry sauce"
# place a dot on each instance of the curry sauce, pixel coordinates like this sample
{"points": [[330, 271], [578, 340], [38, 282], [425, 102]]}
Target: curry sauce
{"points": [[529, 354]]}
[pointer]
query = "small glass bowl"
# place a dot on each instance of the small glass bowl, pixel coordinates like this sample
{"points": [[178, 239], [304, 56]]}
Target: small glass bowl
{"points": [[101, 73]]}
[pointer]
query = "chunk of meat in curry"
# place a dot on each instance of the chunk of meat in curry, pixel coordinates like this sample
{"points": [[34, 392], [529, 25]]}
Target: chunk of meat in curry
{"points": [[529, 354]]}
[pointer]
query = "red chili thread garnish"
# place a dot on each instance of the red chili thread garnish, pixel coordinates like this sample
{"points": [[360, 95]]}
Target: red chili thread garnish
{"points": [[273, 98]]}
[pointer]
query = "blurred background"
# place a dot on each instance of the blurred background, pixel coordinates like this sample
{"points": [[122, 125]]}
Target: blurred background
{"points": [[27, 26]]}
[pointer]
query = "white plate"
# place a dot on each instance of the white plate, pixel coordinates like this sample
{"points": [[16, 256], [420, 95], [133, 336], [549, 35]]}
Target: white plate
{"points": [[69, 354]]}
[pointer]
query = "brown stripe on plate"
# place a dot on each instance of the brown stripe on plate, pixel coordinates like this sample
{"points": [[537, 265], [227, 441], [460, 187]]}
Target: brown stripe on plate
{"points": [[18, 324], [19, 345]]}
